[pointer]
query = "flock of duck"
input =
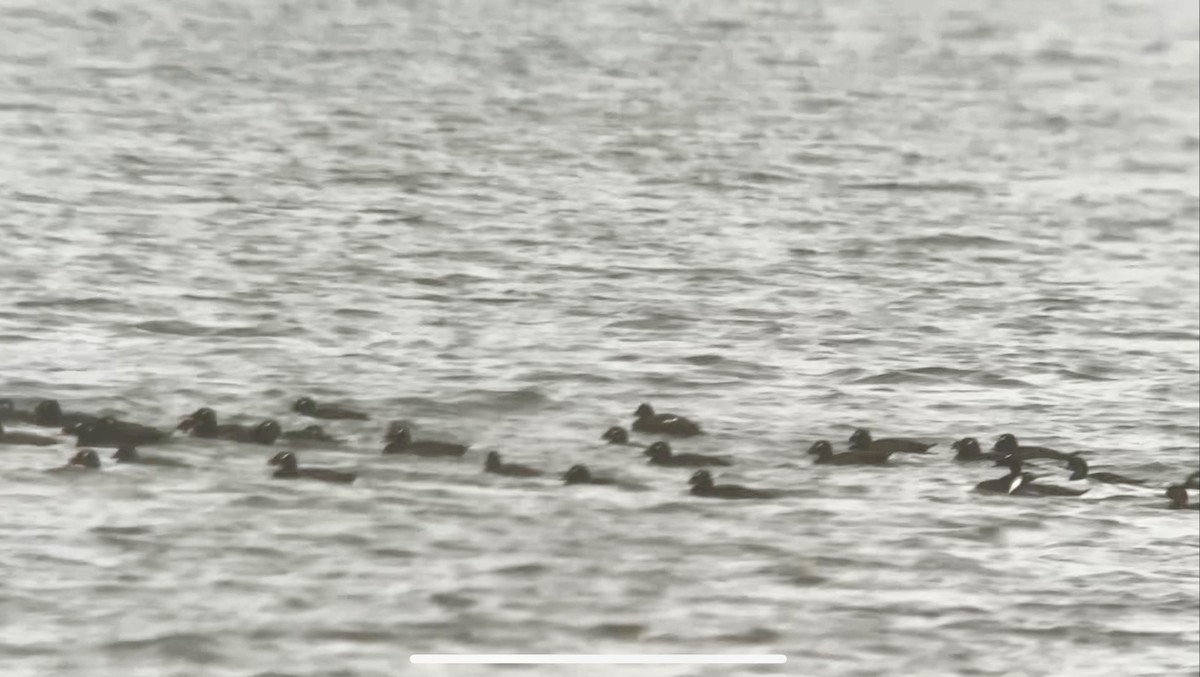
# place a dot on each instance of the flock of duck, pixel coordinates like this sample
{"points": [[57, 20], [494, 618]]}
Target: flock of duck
{"points": [[94, 431]]}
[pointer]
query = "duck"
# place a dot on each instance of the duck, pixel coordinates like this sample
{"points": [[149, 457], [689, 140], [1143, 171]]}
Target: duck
{"points": [[312, 433], [823, 450], [1179, 498], [702, 485], [616, 435], [660, 453], [289, 469], [1007, 445], [131, 455], [861, 440], [967, 449], [16, 438], [403, 443], [203, 424], [1079, 470], [45, 414], [493, 464], [84, 459], [665, 424], [1019, 483], [579, 474], [307, 406], [107, 431]]}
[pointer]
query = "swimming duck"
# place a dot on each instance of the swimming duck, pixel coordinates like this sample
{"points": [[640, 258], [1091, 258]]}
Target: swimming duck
{"points": [[1079, 470], [403, 443], [702, 485], [289, 469], [306, 406], [1007, 444], [579, 474], [1179, 498], [494, 465], [660, 454], [203, 424], [45, 414], [107, 431], [861, 440], [967, 449], [615, 435], [131, 455], [665, 424], [24, 439], [823, 450], [312, 433]]}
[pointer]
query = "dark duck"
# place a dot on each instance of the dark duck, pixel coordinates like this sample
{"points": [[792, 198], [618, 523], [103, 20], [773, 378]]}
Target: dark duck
{"points": [[203, 424], [663, 424], [494, 465], [1007, 445], [1079, 470], [403, 443], [616, 435], [1019, 483], [46, 414], [861, 440], [1178, 496], [579, 474], [289, 469], [132, 455], [307, 406], [312, 434], [107, 431], [702, 485], [967, 449], [660, 453], [823, 450], [16, 438]]}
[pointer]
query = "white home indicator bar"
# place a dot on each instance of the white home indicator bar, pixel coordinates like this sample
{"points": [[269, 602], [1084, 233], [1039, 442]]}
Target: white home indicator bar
{"points": [[599, 659]]}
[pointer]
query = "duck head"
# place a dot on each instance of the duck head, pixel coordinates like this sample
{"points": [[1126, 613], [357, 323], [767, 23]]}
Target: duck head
{"points": [[701, 479], [615, 435], [48, 413], [658, 451], [1079, 468], [286, 461], [304, 405], [577, 474], [493, 460], [967, 447], [644, 411], [1178, 496], [266, 432], [821, 448], [1006, 444], [860, 438]]}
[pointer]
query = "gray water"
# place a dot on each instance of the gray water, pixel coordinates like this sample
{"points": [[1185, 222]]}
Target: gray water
{"points": [[510, 223]]}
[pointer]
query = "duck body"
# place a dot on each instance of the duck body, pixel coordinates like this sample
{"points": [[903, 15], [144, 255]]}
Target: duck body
{"points": [[1080, 470], [306, 406], [289, 469], [84, 459], [403, 443], [861, 440], [703, 486], [110, 432], [1008, 445], [1018, 483], [45, 414], [311, 434], [17, 438], [663, 424], [579, 474], [203, 424], [660, 453], [132, 456], [1179, 498], [823, 450], [494, 465]]}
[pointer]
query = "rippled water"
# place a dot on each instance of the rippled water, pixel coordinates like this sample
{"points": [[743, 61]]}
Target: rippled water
{"points": [[513, 222]]}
